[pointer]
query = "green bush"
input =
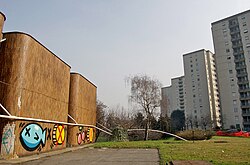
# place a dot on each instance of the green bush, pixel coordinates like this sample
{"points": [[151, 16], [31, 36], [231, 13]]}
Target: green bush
{"points": [[119, 134], [196, 134]]}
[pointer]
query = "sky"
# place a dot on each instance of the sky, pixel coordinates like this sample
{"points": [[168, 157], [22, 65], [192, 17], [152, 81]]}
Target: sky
{"points": [[109, 40]]}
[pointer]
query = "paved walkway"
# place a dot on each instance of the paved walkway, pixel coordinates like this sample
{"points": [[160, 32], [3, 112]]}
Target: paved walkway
{"points": [[92, 156]]}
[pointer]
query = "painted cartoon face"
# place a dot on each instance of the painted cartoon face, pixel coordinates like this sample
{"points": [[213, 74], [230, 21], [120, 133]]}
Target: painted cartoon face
{"points": [[32, 136]]}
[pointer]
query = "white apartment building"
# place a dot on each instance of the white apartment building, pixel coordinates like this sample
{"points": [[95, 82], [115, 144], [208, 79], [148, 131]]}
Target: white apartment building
{"points": [[202, 108], [231, 37], [173, 96]]}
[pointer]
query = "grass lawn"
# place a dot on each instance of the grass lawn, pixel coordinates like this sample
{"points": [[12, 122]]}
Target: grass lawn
{"points": [[218, 150]]}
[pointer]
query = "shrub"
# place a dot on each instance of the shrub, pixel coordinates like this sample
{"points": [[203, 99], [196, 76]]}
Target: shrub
{"points": [[196, 134], [119, 134], [139, 135]]}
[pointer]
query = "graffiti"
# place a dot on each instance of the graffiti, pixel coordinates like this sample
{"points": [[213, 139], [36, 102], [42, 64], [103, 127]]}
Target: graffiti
{"points": [[85, 136], [32, 136], [8, 139], [81, 137], [49, 134], [58, 134], [90, 135], [21, 125]]}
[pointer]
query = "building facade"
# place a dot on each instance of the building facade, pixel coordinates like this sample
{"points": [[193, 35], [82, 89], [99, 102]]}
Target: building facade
{"points": [[37, 88], [202, 97], [231, 37], [173, 96]]}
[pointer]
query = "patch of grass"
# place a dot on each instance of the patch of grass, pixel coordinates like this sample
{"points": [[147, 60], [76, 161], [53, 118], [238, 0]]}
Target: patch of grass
{"points": [[233, 150]]}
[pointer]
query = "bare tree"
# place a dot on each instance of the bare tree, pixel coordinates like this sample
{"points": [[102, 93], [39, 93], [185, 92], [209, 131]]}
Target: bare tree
{"points": [[100, 115], [146, 92], [100, 112]]}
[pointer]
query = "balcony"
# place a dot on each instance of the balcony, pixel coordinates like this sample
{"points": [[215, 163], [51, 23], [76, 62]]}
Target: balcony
{"points": [[244, 89], [233, 23], [242, 82], [245, 98], [240, 67], [246, 122], [245, 105], [239, 60], [236, 38], [246, 114], [237, 45], [242, 74], [238, 52], [235, 31]]}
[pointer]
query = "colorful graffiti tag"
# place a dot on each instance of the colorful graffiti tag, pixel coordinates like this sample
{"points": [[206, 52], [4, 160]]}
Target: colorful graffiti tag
{"points": [[58, 134], [32, 136], [81, 136], [90, 135], [85, 136], [8, 139]]}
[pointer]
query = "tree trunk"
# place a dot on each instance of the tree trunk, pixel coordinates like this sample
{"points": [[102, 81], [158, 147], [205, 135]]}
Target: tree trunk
{"points": [[146, 129], [97, 134]]}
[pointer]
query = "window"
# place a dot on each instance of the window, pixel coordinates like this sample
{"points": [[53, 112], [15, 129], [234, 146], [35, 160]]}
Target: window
{"points": [[230, 71], [234, 102], [245, 31], [235, 109], [228, 57], [236, 118], [244, 24], [227, 50], [246, 38]]}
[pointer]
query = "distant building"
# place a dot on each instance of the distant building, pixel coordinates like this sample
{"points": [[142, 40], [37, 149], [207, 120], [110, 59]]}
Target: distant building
{"points": [[231, 38], [202, 107], [173, 97]]}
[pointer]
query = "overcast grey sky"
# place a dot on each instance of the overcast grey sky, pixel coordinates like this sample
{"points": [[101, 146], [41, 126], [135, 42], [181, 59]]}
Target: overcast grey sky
{"points": [[107, 40]]}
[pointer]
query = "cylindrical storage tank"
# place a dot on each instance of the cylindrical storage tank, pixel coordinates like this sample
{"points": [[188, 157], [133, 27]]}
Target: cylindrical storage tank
{"points": [[34, 83], [2, 19], [82, 108]]}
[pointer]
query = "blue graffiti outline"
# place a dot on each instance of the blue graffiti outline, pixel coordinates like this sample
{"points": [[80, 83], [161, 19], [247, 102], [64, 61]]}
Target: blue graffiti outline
{"points": [[23, 143]]}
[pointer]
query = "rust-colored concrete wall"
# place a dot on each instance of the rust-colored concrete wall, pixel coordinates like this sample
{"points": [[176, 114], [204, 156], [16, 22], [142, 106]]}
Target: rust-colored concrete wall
{"points": [[2, 19], [82, 107], [36, 85]]}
